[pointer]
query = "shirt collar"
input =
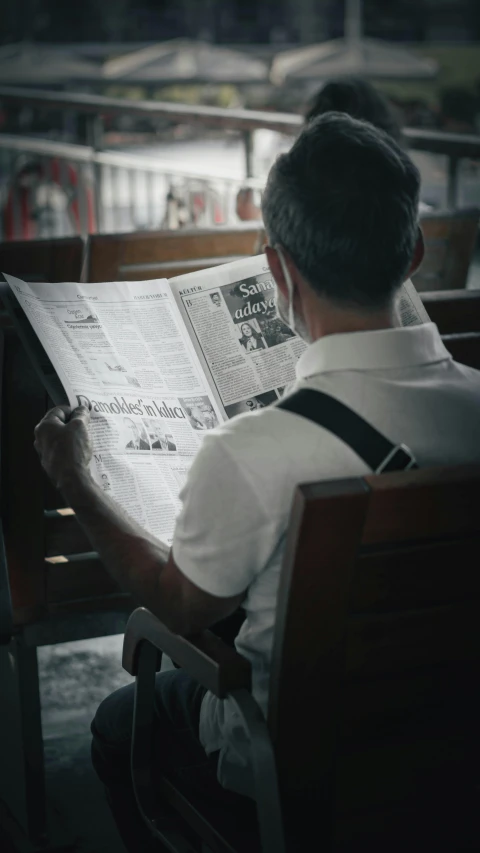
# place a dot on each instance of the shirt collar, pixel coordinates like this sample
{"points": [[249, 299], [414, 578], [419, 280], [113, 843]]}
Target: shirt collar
{"points": [[380, 350]]}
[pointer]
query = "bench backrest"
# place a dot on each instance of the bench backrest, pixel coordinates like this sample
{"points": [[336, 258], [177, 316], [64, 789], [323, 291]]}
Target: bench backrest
{"points": [[164, 254], [44, 260], [374, 683], [449, 245], [454, 311]]}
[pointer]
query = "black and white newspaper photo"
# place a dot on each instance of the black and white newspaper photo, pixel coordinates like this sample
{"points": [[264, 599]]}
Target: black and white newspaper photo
{"points": [[243, 344]]}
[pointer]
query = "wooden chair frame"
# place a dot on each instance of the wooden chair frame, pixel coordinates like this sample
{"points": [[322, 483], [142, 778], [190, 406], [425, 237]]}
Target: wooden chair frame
{"points": [[371, 504]]}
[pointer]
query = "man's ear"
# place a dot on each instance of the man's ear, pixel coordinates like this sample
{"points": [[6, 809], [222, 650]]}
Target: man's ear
{"points": [[276, 270], [418, 254]]}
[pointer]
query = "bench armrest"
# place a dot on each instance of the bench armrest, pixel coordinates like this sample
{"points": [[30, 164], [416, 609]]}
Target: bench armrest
{"points": [[6, 613], [204, 656]]}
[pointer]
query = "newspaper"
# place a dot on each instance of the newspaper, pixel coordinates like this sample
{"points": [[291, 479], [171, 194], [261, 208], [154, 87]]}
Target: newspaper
{"points": [[160, 363], [122, 350], [247, 352]]}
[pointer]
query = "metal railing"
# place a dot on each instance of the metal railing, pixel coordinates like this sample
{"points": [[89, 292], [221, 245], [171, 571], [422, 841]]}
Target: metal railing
{"points": [[105, 187], [58, 189]]}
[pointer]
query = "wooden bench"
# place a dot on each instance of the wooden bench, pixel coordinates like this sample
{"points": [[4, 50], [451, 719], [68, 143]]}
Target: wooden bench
{"points": [[55, 260], [450, 240], [144, 255], [164, 254], [371, 741]]}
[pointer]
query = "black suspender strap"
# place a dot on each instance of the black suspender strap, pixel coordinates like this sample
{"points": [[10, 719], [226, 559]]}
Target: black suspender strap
{"points": [[377, 451]]}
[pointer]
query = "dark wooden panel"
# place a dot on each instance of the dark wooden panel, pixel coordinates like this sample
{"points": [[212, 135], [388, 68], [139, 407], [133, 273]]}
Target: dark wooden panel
{"points": [[83, 576], [403, 771], [23, 405], [172, 269], [418, 795], [63, 534], [117, 601], [111, 255], [409, 577], [400, 702], [401, 641], [43, 260], [417, 505], [464, 348], [311, 607], [449, 246], [454, 311]]}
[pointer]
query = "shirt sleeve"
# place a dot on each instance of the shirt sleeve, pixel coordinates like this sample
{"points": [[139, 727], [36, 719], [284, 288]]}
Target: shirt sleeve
{"points": [[223, 535]]}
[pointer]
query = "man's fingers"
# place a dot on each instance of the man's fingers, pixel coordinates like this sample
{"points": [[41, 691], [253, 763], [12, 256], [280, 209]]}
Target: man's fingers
{"points": [[60, 413], [81, 413], [57, 415]]}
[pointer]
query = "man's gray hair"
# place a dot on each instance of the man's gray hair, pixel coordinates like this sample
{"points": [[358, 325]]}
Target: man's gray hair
{"points": [[343, 202]]}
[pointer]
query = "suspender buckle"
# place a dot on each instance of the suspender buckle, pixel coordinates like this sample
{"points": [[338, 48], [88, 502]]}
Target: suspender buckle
{"points": [[400, 458]]}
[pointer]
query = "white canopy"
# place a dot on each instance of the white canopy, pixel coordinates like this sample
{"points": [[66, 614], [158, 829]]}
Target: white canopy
{"points": [[344, 57], [36, 64], [183, 60]]}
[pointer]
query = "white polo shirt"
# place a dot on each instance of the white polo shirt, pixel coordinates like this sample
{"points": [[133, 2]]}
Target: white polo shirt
{"points": [[231, 530]]}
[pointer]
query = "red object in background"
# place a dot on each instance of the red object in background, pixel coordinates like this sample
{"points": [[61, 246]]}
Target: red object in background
{"points": [[22, 196]]}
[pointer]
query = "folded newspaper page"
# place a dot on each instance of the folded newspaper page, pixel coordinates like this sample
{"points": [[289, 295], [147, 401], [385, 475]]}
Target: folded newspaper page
{"points": [[122, 350], [247, 352], [159, 363]]}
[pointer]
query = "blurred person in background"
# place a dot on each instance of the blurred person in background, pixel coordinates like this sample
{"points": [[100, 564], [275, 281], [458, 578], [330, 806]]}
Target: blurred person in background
{"points": [[357, 98], [458, 110]]}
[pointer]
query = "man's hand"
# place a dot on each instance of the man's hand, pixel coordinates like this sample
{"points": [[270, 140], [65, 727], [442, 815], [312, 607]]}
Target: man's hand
{"points": [[63, 443]]}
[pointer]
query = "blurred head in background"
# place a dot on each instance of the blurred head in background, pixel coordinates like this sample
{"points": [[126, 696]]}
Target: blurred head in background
{"points": [[359, 99]]}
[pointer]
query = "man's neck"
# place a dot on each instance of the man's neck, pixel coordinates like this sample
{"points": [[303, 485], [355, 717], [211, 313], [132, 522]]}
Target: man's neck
{"points": [[327, 319]]}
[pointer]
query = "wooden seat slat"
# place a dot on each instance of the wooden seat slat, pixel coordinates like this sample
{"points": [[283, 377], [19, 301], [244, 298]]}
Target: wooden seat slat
{"points": [[454, 311], [449, 509], [450, 239], [365, 782], [121, 257], [63, 534], [92, 605], [79, 576], [372, 706], [56, 260], [395, 642], [464, 348], [415, 576]]}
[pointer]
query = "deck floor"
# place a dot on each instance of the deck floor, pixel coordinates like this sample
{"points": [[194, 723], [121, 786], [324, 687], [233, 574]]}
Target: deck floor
{"points": [[74, 678]]}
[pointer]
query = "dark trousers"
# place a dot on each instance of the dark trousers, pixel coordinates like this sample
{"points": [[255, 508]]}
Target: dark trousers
{"points": [[177, 752]]}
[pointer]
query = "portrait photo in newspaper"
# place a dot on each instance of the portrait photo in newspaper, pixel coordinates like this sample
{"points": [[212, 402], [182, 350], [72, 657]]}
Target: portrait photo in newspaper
{"points": [[137, 438], [159, 438], [252, 307], [252, 404], [216, 299], [199, 411]]}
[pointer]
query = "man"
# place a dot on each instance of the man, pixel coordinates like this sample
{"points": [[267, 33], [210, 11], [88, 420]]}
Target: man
{"points": [[137, 441], [162, 441], [215, 297], [340, 211], [209, 417]]}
